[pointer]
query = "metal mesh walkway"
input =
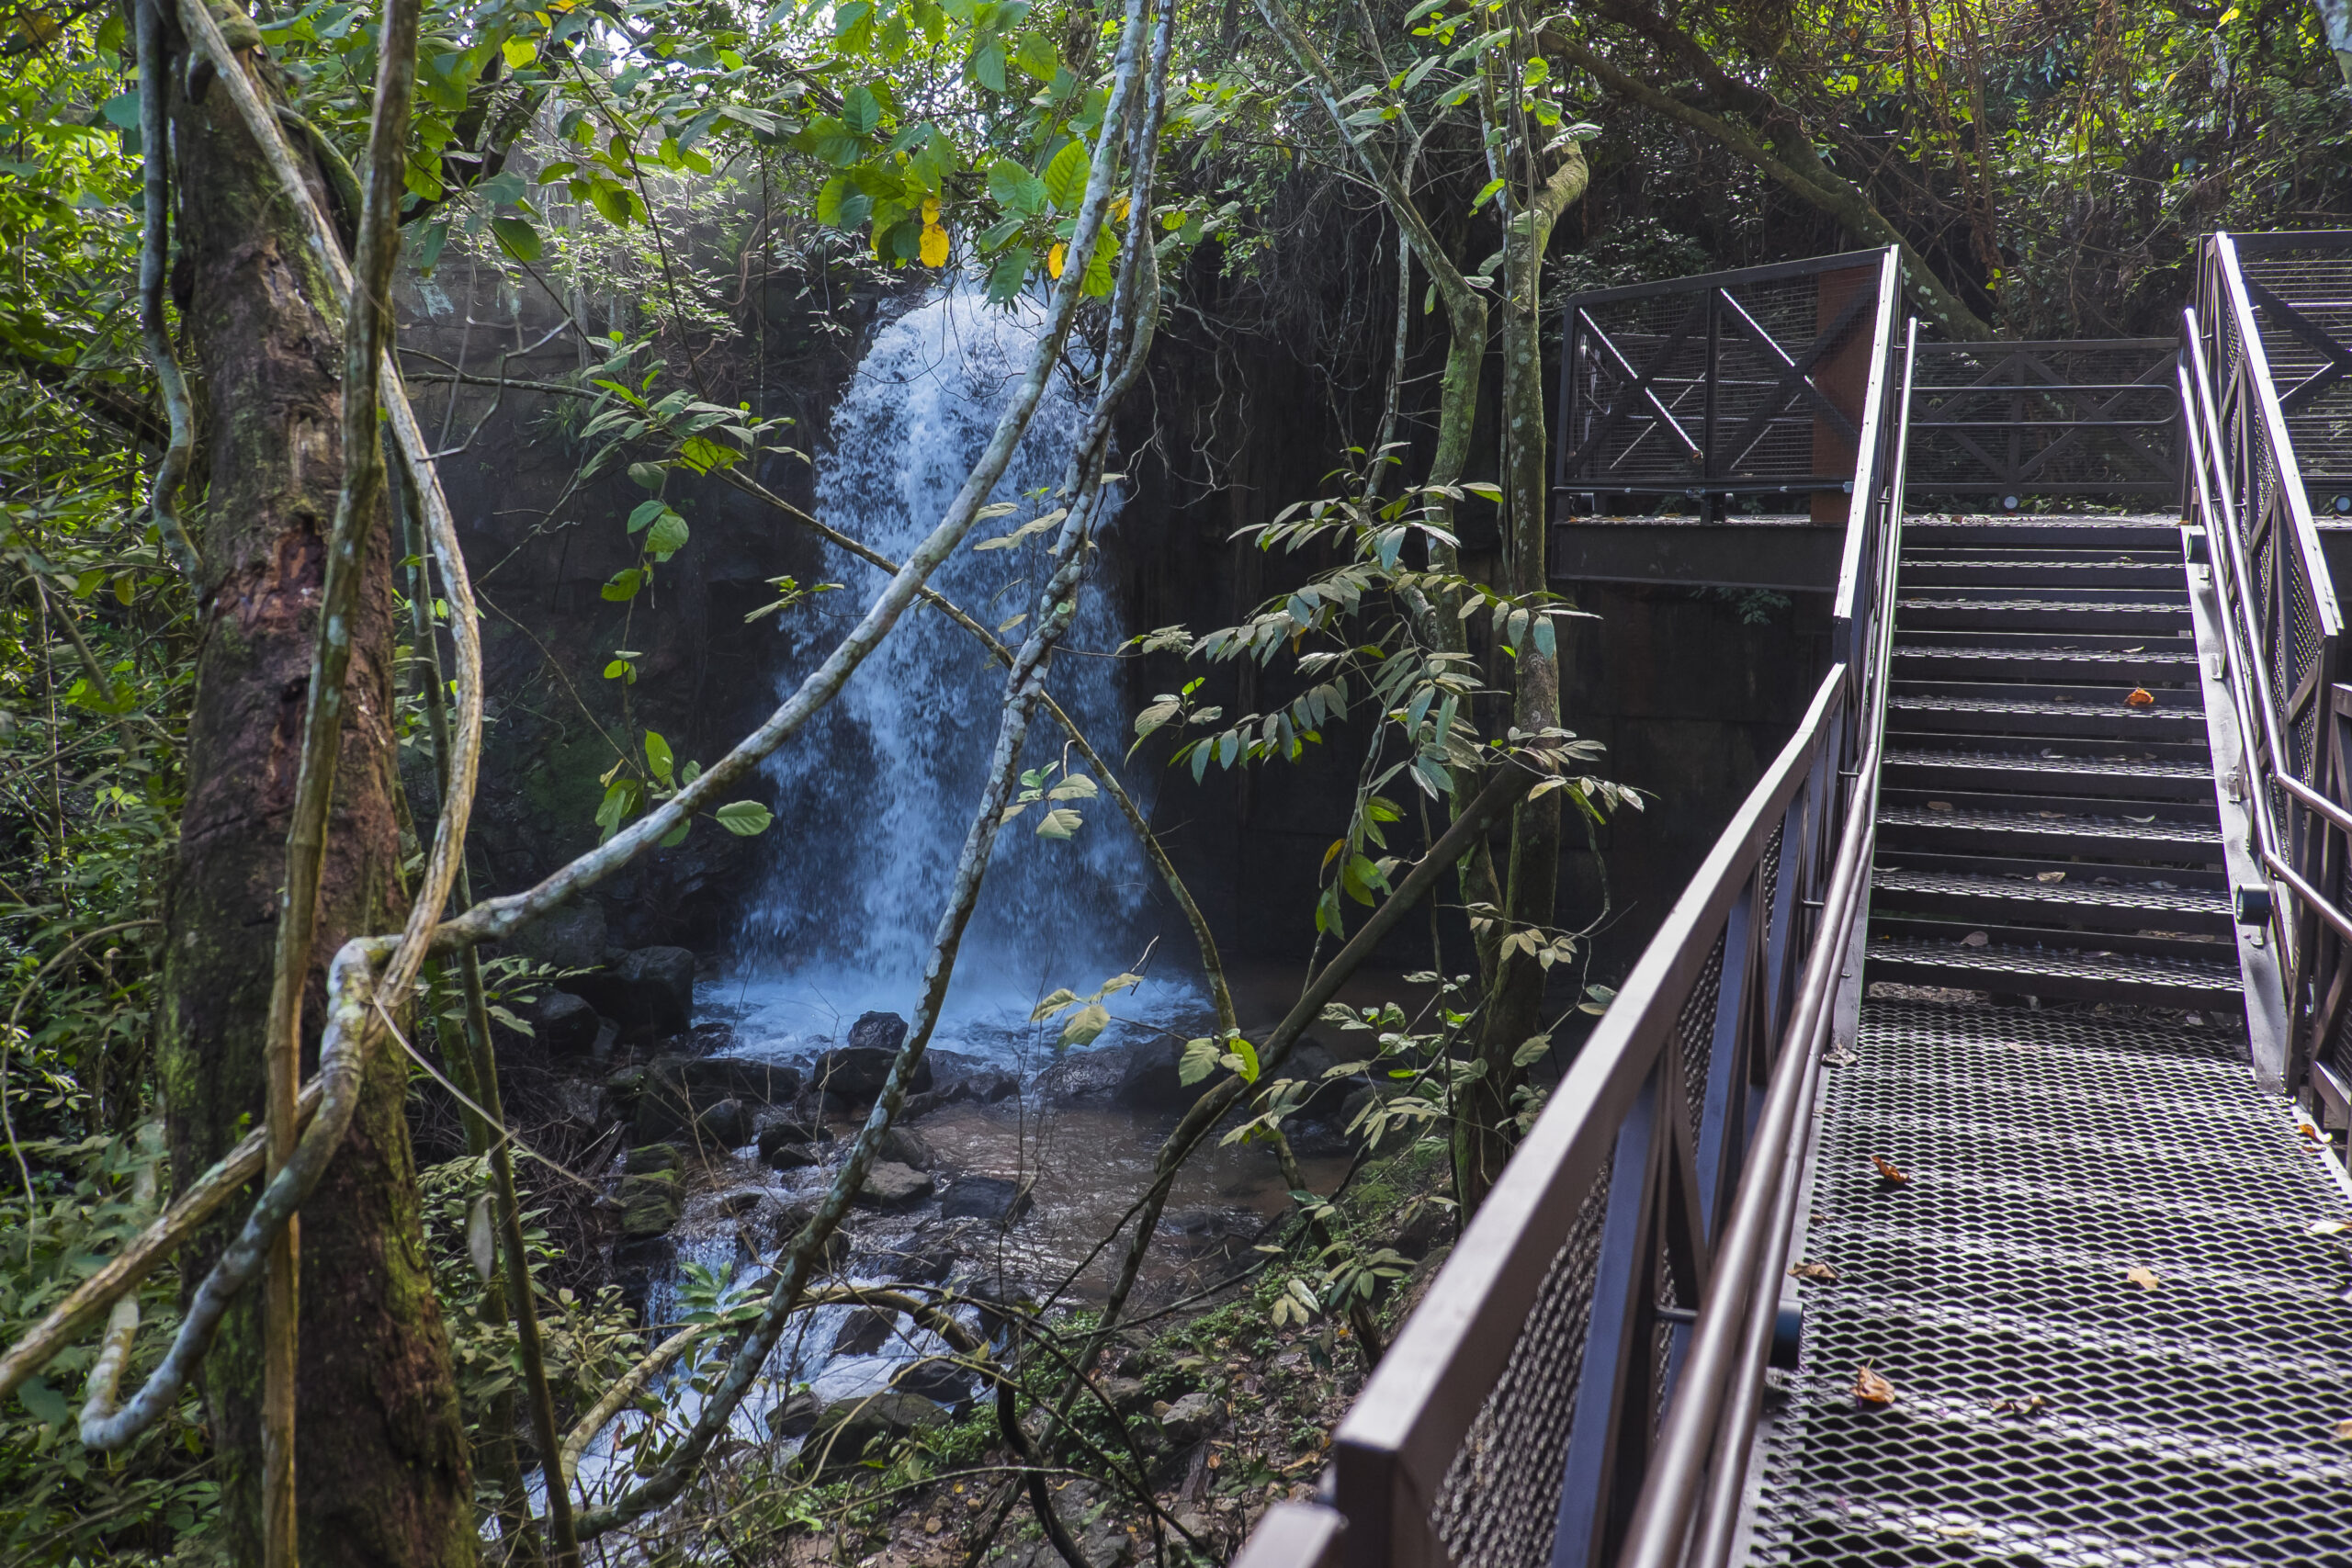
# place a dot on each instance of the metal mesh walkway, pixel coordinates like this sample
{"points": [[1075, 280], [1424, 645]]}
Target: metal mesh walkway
{"points": [[2107, 1329]]}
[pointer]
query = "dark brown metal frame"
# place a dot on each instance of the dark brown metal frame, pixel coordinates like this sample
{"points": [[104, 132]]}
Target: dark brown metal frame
{"points": [[1682, 449], [2028, 390]]}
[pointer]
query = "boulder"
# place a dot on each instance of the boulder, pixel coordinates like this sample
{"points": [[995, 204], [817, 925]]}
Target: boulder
{"points": [[1083, 1078], [863, 1333], [773, 1132], [741, 1201], [996, 1198], [649, 991], [1427, 1228], [564, 1025], [855, 1074], [1191, 1419], [638, 1262], [924, 1259], [902, 1147], [725, 1125], [935, 1378], [651, 1203], [1128, 1395], [991, 1085], [893, 1186], [653, 1157], [746, 1079], [791, 1157], [579, 1103], [797, 1416], [845, 1431], [570, 937]]}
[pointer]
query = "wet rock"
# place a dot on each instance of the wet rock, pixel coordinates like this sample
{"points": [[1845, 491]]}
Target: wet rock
{"points": [[653, 1157], [1128, 1395], [649, 991], [1326, 1098], [579, 1102], [893, 1186], [1191, 1419], [651, 1203], [638, 1262], [1104, 1544], [935, 1378], [855, 1074], [746, 1079], [564, 1025], [845, 1431], [797, 1416], [988, 1087], [791, 1157], [863, 1333], [901, 1145], [926, 1257], [1083, 1078], [725, 1125], [773, 1132], [741, 1201], [570, 937], [998, 1200]]}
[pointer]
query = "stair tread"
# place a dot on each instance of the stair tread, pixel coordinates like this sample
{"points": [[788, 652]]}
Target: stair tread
{"points": [[2061, 823], [2186, 659], [2054, 606], [2105, 708], [2078, 890], [2029, 766], [2074, 963]]}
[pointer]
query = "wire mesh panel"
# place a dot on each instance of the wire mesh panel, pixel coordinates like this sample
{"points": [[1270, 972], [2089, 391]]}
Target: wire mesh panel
{"points": [[1501, 1496], [2009, 420], [1736, 383], [2301, 289]]}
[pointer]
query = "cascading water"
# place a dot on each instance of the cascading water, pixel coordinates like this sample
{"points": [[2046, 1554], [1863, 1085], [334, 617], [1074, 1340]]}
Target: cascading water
{"points": [[878, 792]]}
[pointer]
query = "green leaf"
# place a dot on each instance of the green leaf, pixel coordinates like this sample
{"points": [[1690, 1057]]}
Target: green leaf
{"points": [[1531, 1051], [828, 200], [1053, 1003], [45, 1402], [745, 818], [123, 109], [701, 454], [624, 586], [1059, 823], [1013, 186], [1198, 1060], [667, 536], [647, 476], [1085, 1024], [647, 511], [1065, 176], [1034, 54], [658, 756], [1009, 272], [988, 65], [861, 110]]}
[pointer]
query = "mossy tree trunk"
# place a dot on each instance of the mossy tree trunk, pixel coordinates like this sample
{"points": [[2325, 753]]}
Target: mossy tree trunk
{"points": [[381, 1463]]}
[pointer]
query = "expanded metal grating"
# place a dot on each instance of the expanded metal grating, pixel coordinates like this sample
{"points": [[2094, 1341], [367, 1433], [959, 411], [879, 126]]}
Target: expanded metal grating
{"points": [[2056, 656], [2151, 834], [2122, 772], [2059, 896], [2050, 1406], [2063, 606], [2017, 967], [1911, 702]]}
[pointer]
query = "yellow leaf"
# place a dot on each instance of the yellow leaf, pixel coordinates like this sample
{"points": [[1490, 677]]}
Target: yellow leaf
{"points": [[519, 52], [1119, 210], [935, 244], [1053, 260], [2142, 1276], [2330, 1227], [1871, 1389], [2227, 18], [2343, 1431], [930, 211], [125, 587]]}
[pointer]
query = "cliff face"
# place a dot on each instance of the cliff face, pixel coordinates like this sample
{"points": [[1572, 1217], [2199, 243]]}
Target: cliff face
{"points": [[542, 548]]}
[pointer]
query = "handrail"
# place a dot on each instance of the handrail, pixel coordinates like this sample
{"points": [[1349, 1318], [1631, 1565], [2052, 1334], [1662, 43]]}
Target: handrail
{"points": [[2282, 627]]}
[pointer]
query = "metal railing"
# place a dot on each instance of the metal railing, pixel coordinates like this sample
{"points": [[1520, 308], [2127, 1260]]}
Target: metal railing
{"points": [[1624, 1266], [2012, 422], [2246, 490], [1726, 384]]}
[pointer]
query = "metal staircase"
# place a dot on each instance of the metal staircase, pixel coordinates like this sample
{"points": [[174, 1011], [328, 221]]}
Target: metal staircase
{"points": [[1954, 1181], [2047, 821]]}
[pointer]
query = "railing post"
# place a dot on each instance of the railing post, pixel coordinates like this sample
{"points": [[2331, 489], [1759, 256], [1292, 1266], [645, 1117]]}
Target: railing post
{"points": [[1843, 376]]}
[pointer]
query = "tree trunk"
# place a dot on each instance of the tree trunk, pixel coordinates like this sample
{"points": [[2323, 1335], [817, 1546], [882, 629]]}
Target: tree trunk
{"points": [[382, 1475]]}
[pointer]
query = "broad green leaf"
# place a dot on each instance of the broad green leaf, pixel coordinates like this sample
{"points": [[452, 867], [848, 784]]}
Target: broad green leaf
{"points": [[988, 65], [658, 756], [744, 817], [646, 476], [1085, 1024], [1065, 175], [517, 238], [1053, 1003], [519, 52], [1198, 1060], [647, 511], [623, 585], [1013, 186], [861, 110], [1059, 823], [667, 536], [1034, 54]]}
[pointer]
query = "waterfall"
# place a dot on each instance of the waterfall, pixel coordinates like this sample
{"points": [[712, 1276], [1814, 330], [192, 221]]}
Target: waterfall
{"points": [[876, 795]]}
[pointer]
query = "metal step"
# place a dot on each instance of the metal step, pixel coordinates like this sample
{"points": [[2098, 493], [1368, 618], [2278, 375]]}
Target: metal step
{"points": [[2044, 532], [2066, 974], [2045, 831], [2141, 666], [1924, 707], [2047, 772], [2146, 883], [2156, 934], [2068, 896], [2141, 613]]}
